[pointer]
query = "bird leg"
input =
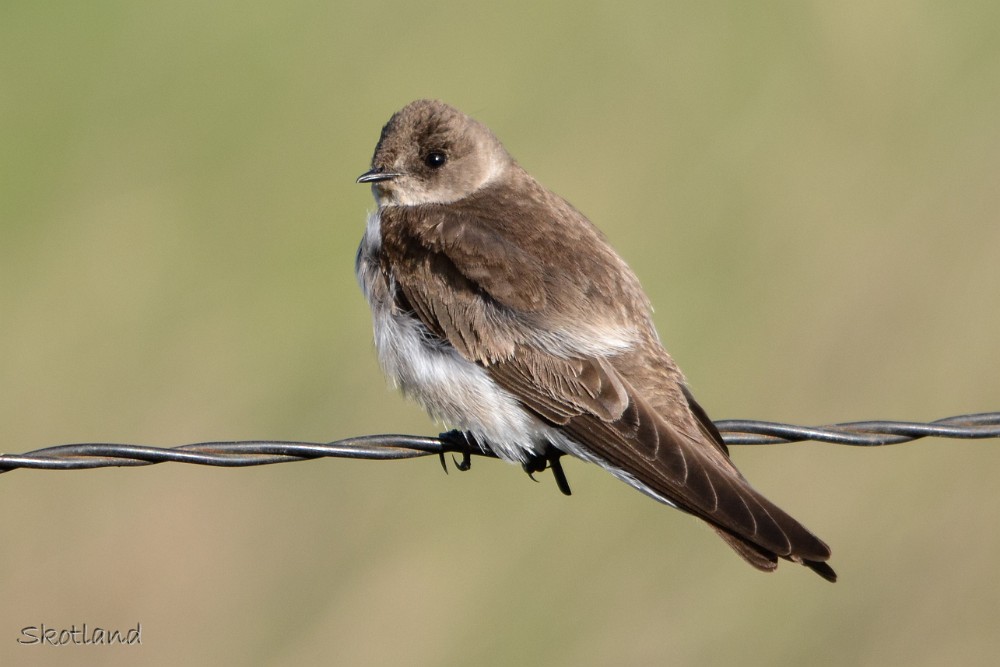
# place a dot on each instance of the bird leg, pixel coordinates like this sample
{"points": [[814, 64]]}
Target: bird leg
{"points": [[463, 442], [548, 459]]}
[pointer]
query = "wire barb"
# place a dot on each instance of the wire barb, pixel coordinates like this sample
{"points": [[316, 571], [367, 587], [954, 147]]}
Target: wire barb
{"points": [[390, 447]]}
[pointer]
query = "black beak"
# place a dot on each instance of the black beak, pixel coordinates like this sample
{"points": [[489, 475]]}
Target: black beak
{"points": [[375, 175]]}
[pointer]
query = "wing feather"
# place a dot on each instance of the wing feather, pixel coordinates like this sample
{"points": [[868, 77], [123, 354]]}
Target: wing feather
{"points": [[671, 466], [473, 286]]}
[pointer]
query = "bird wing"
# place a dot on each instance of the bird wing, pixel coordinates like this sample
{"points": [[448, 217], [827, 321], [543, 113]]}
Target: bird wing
{"points": [[471, 285], [654, 455]]}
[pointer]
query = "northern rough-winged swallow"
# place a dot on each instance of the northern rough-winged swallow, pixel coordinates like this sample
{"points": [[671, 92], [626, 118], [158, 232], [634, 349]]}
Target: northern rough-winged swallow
{"points": [[504, 312]]}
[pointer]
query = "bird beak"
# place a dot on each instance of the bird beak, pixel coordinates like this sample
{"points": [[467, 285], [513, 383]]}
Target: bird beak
{"points": [[376, 175]]}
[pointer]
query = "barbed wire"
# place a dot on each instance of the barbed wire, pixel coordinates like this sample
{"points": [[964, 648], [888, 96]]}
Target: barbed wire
{"points": [[389, 446]]}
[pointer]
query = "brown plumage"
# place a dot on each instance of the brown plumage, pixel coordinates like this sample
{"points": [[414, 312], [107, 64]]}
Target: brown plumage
{"points": [[506, 313]]}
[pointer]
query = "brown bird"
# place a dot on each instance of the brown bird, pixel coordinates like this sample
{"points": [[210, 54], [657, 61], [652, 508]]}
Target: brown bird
{"points": [[505, 313]]}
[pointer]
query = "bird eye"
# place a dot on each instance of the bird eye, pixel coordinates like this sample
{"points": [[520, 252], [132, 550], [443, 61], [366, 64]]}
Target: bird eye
{"points": [[435, 159]]}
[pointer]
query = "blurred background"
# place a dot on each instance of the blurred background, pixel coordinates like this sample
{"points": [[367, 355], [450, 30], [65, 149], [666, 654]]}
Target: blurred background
{"points": [[809, 192]]}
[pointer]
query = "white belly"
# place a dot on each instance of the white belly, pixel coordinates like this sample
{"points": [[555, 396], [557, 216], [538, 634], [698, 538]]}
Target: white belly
{"points": [[455, 391]]}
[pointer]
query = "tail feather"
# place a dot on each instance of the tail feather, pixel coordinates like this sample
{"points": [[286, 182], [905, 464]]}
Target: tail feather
{"points": [[767, 561]]}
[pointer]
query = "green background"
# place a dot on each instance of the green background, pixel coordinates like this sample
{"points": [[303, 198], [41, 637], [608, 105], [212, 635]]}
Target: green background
{"points": [[809, 192]]}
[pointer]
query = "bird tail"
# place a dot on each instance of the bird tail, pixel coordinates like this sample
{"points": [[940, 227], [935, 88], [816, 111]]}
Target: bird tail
{"points": [[765, 560]]}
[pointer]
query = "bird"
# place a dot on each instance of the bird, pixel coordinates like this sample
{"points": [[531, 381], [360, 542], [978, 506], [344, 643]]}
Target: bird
{"points": [[507, 315]]}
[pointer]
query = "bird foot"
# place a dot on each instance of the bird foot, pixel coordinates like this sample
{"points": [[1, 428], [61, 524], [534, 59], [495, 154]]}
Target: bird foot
{"points": [[462, 442], [550, 459]]}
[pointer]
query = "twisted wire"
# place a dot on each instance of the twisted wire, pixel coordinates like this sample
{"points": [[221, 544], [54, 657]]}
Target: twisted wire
{"points": [[391, 446]]}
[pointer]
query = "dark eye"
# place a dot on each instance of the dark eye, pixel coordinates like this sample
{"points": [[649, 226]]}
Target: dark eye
{"points": [[435, 159]]}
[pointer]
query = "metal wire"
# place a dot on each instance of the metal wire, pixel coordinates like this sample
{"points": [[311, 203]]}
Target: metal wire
{"points": [[386, 447]]}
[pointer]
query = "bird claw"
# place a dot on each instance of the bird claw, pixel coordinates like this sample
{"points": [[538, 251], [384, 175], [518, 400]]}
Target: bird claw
{"points": [[466, 462], [559, 475], [534, 464], [464, 443], [550, 459]]}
